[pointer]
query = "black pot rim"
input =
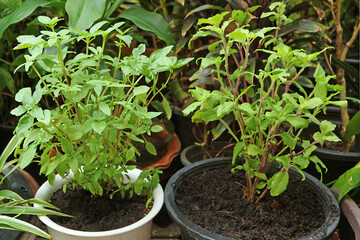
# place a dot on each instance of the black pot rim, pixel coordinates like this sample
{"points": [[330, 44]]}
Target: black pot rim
{"points": [[325, 231]]}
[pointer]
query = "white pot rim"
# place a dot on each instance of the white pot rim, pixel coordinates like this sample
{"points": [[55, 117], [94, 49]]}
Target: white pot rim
{"points": [[46, 190]]}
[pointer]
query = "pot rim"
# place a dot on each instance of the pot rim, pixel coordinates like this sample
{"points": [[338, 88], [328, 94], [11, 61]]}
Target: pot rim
{"points": [[330, 223], [46, 190]]}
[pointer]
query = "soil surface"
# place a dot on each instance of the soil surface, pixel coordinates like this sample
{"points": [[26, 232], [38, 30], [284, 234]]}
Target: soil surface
{"points": [[214, 201], [95, 213]]}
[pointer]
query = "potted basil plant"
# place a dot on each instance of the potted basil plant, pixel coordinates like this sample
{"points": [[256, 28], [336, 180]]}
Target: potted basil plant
{"points": [[101, 108], [264, 109]]}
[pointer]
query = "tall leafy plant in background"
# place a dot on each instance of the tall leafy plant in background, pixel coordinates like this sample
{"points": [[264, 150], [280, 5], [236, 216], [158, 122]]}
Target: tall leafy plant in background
{"points": [[183, 15], [339, 29], [341, 52], [19, 17]]}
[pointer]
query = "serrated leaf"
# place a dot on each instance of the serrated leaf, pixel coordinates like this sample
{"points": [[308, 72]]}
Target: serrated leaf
{"points": [[138, 186], [237, 149], [150, 148], [191, 108], [130, 154], [74, 132], [18, 111], [24, 124], [297, 122], [279, 183], [160, 53], [167, 108], [66, 146], [253, 150], [302, 161], [27, 157], [98, 126], [288, 140], [156, 128], [246, 108], [105, 108], [312, 103], [141, 90]]}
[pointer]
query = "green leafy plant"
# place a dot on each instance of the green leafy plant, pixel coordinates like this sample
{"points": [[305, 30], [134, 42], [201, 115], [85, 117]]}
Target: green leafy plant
{"points": [[342, 44], [102, 107], [348, 181], [263, 107], [12, 206], [19, 17]]}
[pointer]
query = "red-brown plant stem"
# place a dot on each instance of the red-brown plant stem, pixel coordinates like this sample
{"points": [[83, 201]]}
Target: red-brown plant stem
{"points": [[241, 71], [52, 96], [228, 76]]}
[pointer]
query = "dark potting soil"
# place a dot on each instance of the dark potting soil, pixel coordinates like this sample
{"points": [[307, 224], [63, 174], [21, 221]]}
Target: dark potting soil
{"points": [[213, 200], [97, 213]]}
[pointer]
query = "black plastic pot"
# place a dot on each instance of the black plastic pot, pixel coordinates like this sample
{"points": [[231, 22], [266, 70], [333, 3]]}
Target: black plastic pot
{"points": [[337, 162], [193, 153], [190, 230]]}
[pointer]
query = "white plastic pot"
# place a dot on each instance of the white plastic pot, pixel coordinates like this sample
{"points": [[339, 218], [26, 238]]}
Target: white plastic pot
{"points": [[140, 230]]}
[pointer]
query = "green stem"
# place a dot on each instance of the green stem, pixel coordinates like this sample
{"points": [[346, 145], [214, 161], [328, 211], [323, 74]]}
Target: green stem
{"points": [[6, 62], [47, 88]]}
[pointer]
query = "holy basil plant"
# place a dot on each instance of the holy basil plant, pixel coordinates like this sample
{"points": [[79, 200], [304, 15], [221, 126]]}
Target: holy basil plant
{"points": [[101, 105], [263, 107]]}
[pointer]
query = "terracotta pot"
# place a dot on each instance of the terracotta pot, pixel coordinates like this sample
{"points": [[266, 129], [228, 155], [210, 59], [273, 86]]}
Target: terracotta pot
{"points": [[192, 231], [350, 225], [140, 230], [173, 147]]}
